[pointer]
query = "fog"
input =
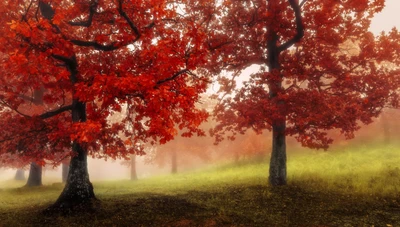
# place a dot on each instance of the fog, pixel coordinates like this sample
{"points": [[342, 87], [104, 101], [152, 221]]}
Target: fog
{"points": [[200, 152], [204, 153]]}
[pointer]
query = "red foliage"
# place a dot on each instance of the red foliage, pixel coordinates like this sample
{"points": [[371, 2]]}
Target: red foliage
{"points": [[320, 67], [97, 56]]}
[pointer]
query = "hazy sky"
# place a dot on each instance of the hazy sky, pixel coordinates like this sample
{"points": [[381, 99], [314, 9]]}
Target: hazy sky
{"points": [[388, 18]]}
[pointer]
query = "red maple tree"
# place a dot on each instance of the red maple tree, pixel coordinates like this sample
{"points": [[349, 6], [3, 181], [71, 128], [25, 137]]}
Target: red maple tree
{"points": [[90, 58], [319, 69]]}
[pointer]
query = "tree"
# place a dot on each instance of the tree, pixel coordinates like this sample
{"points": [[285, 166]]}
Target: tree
{"points": [[35, 175], [310, 78], [184, 152], [133, 167], [181, 152], [249, 145], [20, 175], [91, 57], [64, 170]]}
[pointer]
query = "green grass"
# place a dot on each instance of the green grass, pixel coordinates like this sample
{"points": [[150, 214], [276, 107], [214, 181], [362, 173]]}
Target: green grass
{"points": [[353, 187]]}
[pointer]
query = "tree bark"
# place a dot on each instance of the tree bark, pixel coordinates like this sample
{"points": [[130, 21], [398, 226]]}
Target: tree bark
{"points": [[78, 188], [277, 168], [78, 191], [20, 175], [35, 175], [133, 167], [64, 173], [174, 162]]}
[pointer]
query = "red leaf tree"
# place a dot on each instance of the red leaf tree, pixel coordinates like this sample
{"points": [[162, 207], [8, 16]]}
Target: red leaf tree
{"points": [[319, 69], [90, 58]]}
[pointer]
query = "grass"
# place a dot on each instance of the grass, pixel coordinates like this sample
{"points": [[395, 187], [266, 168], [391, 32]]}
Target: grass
{"points": [[353, 187]]}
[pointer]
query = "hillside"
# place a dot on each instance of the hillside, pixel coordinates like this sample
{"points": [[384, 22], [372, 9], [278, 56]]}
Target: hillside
{"points": [[352, 187]]}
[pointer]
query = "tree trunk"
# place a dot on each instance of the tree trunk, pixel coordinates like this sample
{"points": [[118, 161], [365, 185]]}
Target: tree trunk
{"points": [[386, 127], [64, 173], [35, 175], [78, 191], [133, 167], [20, 175], [174, 164], [277, 168]]}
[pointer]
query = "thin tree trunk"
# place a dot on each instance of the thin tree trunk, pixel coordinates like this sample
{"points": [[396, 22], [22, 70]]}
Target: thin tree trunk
{"points": [[386, 127], [35, 175], [174, 163], [133, 167], [64, 173], [20, 175]]}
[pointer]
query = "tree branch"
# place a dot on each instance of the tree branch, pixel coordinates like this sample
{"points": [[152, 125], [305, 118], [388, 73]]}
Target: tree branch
{"points": [[299, 27], [96, 45], [53, 113], [43, 115], [302, 3], [128, 20], [88, 22], [46, 10], [172, 77]]}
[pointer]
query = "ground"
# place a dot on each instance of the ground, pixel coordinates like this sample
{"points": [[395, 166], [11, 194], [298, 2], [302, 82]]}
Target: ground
{"points": [[355, 187]]}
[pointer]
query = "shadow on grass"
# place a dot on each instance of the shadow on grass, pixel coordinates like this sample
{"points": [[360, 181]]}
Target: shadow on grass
{"points": [[295, 205], [303, 202], [142, 209], [256, 205]]}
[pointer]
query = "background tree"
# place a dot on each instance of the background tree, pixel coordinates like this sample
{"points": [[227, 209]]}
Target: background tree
{"points": [[20, 175], [307, 82], [35, 175], [64, 170], [245, 146], [91, 58], [182, 153]]}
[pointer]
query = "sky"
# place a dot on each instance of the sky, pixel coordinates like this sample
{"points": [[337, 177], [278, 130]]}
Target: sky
{"points": [[388, 18]]}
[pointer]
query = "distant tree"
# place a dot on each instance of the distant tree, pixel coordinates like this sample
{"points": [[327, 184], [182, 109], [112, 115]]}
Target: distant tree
{"points": [[182, 151], [20, 175], [90, 58], [133, 167], [308, 81], [65, 170], [35, 175]]}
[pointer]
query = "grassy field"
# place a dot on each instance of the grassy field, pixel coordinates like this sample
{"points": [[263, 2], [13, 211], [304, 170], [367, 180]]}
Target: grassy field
{"points": [[351, 187]]}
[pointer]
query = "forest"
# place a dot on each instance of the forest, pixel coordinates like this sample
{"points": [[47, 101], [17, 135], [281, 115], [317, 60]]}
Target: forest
{"points": [[199, 113]]}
